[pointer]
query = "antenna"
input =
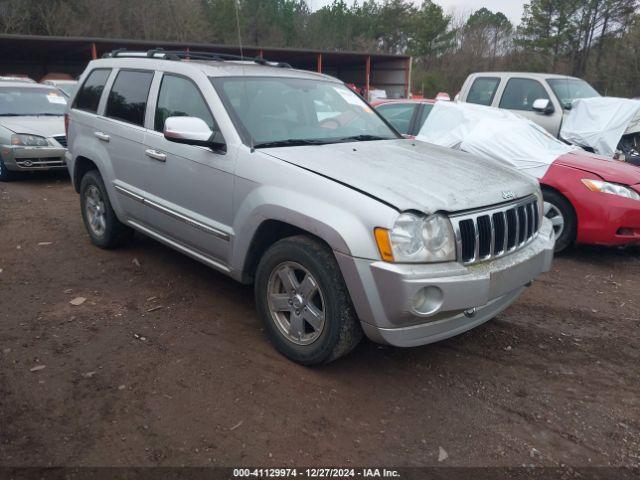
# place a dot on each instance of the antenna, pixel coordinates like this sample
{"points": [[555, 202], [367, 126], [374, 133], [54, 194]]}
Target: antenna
{"points": [[237, 7]]}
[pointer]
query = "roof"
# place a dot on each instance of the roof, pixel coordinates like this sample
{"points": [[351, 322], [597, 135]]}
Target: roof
{"points": [[226, 68], [536, 75], [5, 84], [55, 81], [428, 101]]}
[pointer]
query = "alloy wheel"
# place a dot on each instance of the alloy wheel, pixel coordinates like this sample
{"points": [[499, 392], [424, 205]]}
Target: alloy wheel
{"points": [[296, 303], [554, 214], [95, 211]]}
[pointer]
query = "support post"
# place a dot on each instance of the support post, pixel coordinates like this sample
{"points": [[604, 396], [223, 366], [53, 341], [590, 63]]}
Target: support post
{"points": [[367, 78], [94, 51], [319, 63], [407, 78]]}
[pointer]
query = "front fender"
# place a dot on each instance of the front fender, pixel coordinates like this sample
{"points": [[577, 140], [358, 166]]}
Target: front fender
{"points": [[341, 227]]}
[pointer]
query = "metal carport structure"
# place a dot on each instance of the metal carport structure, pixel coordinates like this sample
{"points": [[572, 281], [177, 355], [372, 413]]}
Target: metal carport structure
{"points": [[36, 56]]}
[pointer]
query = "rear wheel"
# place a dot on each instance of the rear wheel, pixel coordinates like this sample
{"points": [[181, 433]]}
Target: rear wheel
{"points": [[104, 228], [563, 219], [304, 303]]}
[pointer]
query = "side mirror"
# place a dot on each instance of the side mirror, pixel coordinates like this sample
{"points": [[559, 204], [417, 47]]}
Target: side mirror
{"points": [[543, 105], [193, 131]]}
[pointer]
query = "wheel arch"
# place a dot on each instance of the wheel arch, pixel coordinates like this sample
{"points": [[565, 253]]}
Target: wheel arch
{"points": [[576, 216], [81, 167], [268, 232]]}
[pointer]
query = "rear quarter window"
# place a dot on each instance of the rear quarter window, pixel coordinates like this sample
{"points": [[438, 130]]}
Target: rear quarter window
{"points": [[128, 96], [89, 94]]}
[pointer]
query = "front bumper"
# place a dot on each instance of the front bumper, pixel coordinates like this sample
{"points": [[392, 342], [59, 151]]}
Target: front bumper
{"points": [[461, 297], [609, 220], [18, 158]]}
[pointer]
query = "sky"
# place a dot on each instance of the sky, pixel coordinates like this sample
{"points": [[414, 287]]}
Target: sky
{"points": [[511, 8]]}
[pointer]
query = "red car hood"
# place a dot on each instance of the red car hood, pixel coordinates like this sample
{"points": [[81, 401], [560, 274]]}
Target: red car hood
{"points": [[607, 169]]}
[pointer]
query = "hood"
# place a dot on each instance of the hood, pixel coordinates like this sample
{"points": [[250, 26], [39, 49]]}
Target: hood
{"points": [[412, 175], [43, 126], [606, 168]]}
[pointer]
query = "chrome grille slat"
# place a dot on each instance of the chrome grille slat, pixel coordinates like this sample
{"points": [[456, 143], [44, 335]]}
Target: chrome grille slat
{"points": [[517, 223], [492, 245]]}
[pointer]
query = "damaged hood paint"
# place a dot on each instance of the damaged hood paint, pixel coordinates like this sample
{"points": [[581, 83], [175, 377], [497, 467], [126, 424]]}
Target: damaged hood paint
{"points": [[44, 126], [412, 175]]}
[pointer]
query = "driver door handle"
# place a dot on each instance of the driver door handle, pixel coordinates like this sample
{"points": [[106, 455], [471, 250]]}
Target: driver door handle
{"points": [[161, 157], [102, 136]]}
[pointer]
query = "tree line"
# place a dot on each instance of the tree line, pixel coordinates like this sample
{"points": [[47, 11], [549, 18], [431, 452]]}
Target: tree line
{"points": [[598, 40]]}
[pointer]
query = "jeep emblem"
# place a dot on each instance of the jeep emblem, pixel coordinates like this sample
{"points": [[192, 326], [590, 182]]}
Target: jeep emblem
{"points": [[508, 194]]}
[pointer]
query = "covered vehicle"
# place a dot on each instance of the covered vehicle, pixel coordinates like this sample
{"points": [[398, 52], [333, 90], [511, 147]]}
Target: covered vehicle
{"points": [[32, 135], [588, 198], [605, 125]]}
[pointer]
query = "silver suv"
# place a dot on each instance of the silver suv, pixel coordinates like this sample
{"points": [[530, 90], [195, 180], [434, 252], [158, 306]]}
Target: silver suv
{"points": [[288, 180]]}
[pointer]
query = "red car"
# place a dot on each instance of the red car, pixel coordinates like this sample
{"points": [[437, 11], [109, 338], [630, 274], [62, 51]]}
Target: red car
{"points": [[407, 116], [589, 199]]}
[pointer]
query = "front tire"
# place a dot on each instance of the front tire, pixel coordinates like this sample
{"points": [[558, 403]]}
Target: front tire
{"points": [[101, 222], [5, 175], [304, 303], [563, 218]]}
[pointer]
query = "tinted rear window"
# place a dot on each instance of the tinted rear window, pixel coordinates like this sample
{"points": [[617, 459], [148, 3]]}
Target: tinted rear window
{"points": [[128, 97], [89, 95]]}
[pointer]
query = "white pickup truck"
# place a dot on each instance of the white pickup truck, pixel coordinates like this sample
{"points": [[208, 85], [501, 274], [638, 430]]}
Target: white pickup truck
{"points": [[567, 107], [540, 97]]}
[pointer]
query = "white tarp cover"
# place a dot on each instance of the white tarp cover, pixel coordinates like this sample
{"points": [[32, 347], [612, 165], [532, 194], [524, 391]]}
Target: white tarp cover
{"points": [[600, 122], [493, 133]]}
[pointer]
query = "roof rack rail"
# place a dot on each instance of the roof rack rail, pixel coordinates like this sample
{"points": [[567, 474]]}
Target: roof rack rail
{"points": [[162, 54]]}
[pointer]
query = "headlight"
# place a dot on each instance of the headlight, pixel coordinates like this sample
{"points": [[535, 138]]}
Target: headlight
{"points": [[540, 201], [27, 140], [417, 239], [610, 188]]}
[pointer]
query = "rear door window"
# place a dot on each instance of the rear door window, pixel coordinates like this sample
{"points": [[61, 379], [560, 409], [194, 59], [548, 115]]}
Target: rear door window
{"points": [[483, 90], [520, 93], [426, 110], [128, 96], [399, 115], [89, 95]]}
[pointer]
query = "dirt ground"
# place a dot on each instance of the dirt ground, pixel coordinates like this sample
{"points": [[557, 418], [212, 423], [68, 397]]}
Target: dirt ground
{"points": [[166, 363]]}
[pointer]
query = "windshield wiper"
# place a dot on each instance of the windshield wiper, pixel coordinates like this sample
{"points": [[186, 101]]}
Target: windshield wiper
{"points": [[291, 142], [11, 115], [363, 138]]}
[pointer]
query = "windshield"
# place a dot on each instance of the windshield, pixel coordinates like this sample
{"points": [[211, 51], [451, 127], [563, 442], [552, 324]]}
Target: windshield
{"points": [[271, 112], [569, 89], [17, 101]]}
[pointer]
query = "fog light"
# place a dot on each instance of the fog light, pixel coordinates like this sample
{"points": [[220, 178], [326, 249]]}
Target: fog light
{"points": [[427, 300]]}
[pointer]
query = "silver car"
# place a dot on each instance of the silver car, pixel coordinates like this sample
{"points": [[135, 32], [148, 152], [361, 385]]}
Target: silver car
{"points": [[342, 226], [32, 135]]}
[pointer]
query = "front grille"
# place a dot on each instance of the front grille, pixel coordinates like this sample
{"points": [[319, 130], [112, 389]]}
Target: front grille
{"points": [[494, 232], [62, 140], [40, 162]]}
